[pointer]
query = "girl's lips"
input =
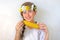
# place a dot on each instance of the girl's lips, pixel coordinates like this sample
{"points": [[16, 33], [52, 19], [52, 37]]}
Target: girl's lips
{"points": [[28, 17]]}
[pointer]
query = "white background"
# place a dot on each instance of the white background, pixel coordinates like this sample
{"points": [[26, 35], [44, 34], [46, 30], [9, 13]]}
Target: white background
{"points": [[48, 13]]}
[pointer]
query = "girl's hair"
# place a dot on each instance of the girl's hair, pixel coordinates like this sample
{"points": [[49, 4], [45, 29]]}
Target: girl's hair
{"points": [[27, 4]]}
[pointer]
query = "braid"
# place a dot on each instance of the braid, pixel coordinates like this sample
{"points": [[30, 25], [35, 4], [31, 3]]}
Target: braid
{"points": [[23, 31]]}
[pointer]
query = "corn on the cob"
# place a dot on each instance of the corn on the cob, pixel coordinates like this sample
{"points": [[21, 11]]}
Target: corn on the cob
{"points": [[31, 25]]}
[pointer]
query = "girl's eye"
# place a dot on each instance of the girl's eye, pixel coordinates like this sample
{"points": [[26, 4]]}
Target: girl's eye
{"points": [[30, 10], [24, 12]]}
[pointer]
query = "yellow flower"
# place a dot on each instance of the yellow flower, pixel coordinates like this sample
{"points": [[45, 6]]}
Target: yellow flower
{"points": [[24, 8], [27, 7], [20, 10]]}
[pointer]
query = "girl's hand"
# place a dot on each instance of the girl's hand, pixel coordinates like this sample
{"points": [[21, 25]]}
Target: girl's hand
{"points": [[19, 27], [43, 27]]}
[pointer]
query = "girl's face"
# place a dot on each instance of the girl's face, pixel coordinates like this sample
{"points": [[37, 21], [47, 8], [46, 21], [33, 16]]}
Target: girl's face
{"points": [[29, 15]]}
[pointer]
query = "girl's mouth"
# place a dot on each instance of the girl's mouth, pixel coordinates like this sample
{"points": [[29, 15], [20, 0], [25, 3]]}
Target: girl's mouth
{"points": [[28, 17]]}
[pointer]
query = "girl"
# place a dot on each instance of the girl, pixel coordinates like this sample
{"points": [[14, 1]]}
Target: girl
{"points": [[28, 11]]}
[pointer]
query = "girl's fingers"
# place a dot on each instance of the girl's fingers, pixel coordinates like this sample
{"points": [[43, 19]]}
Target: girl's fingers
{"points": [[43, 27], [19, 26]]}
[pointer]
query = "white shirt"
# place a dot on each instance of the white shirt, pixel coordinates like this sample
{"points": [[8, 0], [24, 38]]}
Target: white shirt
{"points": [[33, 34]]}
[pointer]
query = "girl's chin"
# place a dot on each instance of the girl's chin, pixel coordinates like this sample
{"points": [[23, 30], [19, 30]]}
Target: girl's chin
{"points": [[28, 20]]}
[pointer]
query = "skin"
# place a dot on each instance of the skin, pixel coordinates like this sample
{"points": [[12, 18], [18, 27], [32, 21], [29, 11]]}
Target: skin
{"points": [[29, 16]]}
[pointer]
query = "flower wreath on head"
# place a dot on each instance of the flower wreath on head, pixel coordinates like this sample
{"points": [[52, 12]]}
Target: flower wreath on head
{"points": [[26, 8]]}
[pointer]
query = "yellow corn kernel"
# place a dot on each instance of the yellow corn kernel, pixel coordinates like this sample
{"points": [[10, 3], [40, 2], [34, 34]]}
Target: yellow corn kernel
{"points": [[31, 25]]}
